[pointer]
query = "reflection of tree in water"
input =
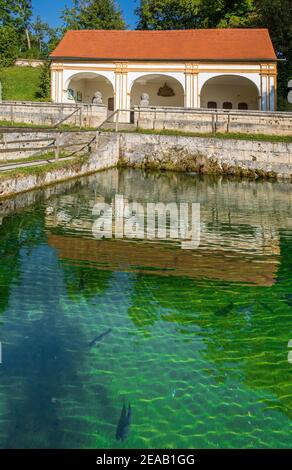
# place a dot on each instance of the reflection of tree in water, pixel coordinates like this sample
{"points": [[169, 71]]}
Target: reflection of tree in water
{"points": [[47, 347], [245, 328], [85, 280], [19, 231], [143, 312]]}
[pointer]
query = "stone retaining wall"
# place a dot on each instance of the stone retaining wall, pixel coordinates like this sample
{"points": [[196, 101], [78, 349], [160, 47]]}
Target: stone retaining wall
{"points": [[207, 155], [43, 114], [106, 155], [206, 121], [161, 152]]}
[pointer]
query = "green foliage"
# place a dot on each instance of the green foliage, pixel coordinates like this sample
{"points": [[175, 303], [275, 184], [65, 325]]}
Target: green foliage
{"points": [[277, 17], [168, 14], [34, 39], [226, 13], [93, 14], [44, 90], [17, 14], [185, 14], [9, 46], [42, 35]]}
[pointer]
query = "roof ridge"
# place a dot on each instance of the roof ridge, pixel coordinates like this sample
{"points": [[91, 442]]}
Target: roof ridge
{"points": [[160, 31]]}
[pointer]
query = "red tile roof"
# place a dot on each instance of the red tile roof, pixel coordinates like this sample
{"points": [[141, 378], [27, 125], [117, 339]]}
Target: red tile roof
{"points": [[197, 44]]}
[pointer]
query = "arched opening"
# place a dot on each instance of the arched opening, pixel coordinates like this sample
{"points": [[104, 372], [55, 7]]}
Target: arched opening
{"points": [[82, 88], [230, 92], [212, 105], [157, 90]]}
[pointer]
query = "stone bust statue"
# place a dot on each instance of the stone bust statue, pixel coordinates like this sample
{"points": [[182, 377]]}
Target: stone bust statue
{"points": [[144, 99], [97, 99]]}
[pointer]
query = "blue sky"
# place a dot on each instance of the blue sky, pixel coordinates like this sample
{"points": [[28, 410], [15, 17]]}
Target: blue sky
{"points": [[50, 10]]}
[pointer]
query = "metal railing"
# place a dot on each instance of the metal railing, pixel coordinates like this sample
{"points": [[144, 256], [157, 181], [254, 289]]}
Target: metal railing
{"points": [[57, 143], [78, 109], [218, 111]]}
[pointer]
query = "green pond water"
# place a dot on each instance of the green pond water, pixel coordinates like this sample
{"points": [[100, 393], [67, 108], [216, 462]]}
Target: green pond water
{"points": [[195, 340]]}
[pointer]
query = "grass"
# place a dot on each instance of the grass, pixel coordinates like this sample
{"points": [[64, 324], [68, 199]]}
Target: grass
{"points": [[237, 136], [5, 123], [20, 83], [36, 158], [64, 127]]}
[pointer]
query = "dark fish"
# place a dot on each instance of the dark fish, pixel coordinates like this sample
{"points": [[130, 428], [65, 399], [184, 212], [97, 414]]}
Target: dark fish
{"points": [[81, 283], [221, 312], [123, 428], [97, 340], [267, 307], [288, 299]]}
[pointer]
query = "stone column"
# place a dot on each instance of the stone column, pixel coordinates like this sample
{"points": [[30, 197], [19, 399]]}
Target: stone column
{"points": [[268, 87], [122, 98], [272, 93], [264, 92], [57, 83], [191, 87]]}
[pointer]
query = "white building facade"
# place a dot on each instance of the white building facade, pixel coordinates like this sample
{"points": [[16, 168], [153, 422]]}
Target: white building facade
{"points": [[232, 82]]}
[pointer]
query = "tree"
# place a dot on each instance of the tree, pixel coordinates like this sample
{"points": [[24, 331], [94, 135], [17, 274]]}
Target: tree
{"points": [[44, 91], [168, 14], [277, 17], [9, 46], [227, 13], [6, 8], [23, 15], [17, 14], [184, 14], [40, 30], [44, 38], [93, 14]]}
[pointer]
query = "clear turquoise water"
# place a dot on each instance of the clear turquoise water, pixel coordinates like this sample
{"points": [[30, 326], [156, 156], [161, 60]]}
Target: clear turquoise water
{"points": [[199, 339]]}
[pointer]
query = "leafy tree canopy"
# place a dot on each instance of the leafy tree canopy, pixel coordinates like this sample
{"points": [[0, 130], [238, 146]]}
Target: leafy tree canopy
{"points": [[9, 46], [168, 14], [93, 14]]}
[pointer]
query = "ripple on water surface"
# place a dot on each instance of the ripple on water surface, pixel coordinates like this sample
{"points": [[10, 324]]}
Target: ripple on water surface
{"points": [[195, 340]]}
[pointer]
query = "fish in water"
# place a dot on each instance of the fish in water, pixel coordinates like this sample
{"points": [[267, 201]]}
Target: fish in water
{"points": [[221, 312], [267, 307], [288, 299], [98, 339], [123, 428]]}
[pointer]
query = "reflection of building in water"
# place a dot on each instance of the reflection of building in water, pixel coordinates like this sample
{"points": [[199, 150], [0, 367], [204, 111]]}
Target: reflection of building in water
{"points": [[166, 260], [74, 213], [236, 252]]}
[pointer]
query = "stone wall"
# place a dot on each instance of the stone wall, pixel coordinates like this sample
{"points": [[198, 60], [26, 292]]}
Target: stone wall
{"points": [[49, 114], [29, 63], [162, 152], [207, 155], [24, 143], [106, 155], [206, 121]]}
